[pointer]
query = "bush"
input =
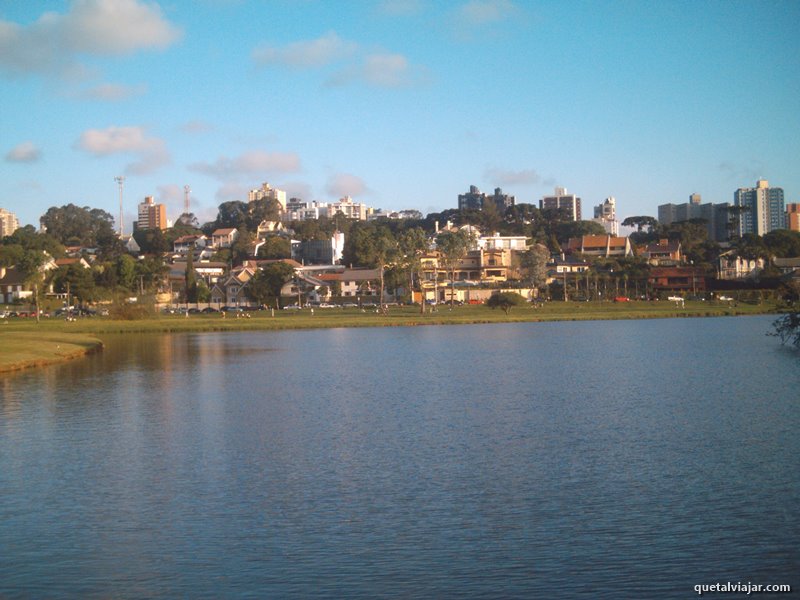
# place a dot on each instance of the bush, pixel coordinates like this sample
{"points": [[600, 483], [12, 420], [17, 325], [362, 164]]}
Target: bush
{"points": [[125, 311]]}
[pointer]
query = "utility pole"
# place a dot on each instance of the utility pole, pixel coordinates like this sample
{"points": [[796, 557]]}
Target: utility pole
{"points": [[120, 179]]}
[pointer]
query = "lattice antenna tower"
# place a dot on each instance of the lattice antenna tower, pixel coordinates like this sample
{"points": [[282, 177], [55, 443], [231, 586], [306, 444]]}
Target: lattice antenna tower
{"points": [[120, 179]]}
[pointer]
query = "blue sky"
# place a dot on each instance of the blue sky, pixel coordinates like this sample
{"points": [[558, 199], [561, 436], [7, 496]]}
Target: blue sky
{"points": [[398, 103]]}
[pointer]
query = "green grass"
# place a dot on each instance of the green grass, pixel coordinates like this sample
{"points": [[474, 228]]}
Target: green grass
{"points": [[24, 349], [27, 343]]}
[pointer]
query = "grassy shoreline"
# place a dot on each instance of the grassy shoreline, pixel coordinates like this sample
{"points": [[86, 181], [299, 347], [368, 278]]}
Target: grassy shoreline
{"points": [[28, 344]]}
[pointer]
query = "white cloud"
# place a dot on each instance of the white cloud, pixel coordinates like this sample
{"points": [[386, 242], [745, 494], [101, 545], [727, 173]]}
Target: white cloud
{"points": [[113, 92], [150, 151], [345, 184], [196, 127], [380, 70], [254, 163], [485, 12], [306, 54], [24, 152], [501, 177], [52, 44]]}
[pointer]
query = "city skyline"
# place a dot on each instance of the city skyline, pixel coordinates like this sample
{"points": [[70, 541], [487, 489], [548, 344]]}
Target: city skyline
{"points": [[400, 104]]}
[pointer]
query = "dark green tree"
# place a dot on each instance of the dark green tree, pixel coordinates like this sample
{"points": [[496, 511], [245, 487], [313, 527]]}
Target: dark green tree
{"points": [[266, 284], [505, 300], [73, 225], [231, 215], [275, 247], [152, 241], [257, 211], [191, 279]]}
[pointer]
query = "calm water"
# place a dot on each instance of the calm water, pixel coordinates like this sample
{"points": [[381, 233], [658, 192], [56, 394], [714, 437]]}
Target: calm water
{"points": [[626, 459]]}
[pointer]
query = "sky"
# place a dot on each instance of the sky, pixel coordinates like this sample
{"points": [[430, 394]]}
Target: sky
{"points": [[401, 104]]}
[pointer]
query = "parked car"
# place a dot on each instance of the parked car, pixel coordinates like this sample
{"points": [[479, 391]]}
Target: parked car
{"points": [[209, 309], [232, 309], [292, 307], [349, 305]]}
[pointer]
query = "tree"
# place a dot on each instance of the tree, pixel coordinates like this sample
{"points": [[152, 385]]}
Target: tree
{"points": [[151, 241], [187, 221], [77, 279], [27, 238], [73, 225], [275, 247], [268, 281], [783, 243], [30, 267], [735, 219], [265, 209], [413, 244], [231, 215], [125, 269], [751, 247], [787, 327], [575, 229], [535, 260], [505, 300], [453, 247], [640, 222], [151, 272], [242, 247], [191, 279]]}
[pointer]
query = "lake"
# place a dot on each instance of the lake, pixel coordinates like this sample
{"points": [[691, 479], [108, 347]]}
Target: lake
{"points": [[609, 459]]}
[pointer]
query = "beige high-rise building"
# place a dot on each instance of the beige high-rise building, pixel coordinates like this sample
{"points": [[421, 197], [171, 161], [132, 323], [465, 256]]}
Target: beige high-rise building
{"points": [[8, 223], [793, 216], [269, 192], [151, 215], [561, 199]]}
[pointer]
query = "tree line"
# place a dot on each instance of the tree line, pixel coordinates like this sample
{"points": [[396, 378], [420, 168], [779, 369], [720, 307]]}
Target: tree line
{"points": [[395, 247]]}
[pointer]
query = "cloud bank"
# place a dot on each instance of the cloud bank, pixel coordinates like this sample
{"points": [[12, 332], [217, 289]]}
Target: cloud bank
{"points": [[378, 69], [307, 54], [150, 151], [52, 44], [252, 164]]}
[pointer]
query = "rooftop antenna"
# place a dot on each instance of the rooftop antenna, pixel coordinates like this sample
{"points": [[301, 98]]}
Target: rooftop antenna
{"points": [[120, 179], [186, 191]]}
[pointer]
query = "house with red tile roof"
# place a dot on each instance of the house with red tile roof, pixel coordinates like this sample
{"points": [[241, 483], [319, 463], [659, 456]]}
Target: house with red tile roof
{"points": [[664, 252], [600, 245]]}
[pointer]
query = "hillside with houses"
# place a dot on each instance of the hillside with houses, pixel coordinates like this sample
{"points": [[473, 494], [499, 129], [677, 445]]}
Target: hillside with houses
{"points": [[274, 252]]}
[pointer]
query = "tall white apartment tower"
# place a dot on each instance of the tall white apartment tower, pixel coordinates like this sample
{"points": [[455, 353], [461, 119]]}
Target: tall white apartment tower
{"points": [[606, 214]]}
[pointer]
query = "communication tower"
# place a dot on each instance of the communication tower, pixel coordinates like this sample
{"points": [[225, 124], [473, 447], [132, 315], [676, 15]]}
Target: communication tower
{"points": [[186, 191], [120, 179]]}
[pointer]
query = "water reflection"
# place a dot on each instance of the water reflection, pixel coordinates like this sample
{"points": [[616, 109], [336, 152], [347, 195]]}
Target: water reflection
{"points": [[551, 460]]}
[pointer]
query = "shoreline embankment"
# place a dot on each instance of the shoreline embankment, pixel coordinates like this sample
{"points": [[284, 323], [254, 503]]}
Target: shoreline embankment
{"points": [[27, 344]]}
